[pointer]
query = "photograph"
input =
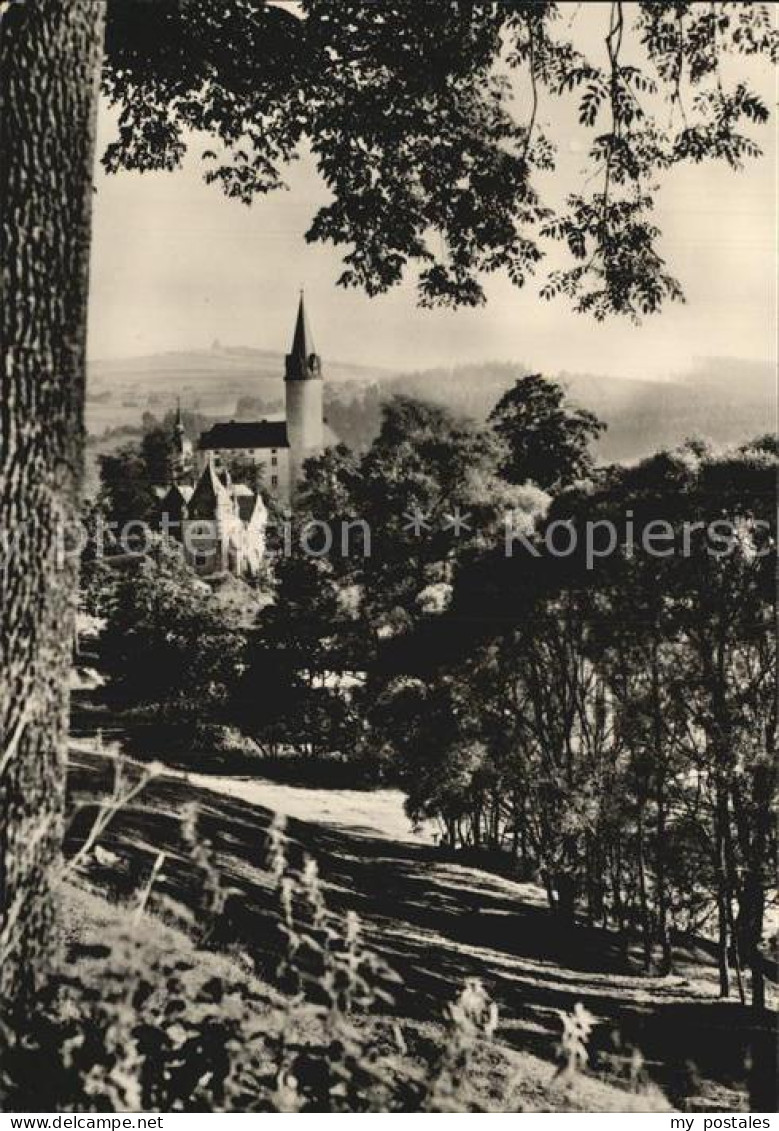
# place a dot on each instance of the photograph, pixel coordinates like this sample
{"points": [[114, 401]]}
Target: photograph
{"points": [[389, 470]]}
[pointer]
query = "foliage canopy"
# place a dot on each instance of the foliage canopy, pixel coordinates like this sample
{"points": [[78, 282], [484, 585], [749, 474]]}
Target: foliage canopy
{"points": [[425, 123]]}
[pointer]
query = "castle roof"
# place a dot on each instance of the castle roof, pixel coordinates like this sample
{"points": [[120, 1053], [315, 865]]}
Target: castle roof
{"points": [[247, 501], [216, 495], [302, 342], [175, 490], [174, 499], [209, 494], [302, 363], [239, 434]]}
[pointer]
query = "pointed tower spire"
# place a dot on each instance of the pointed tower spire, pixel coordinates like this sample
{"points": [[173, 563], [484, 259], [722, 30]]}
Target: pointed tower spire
{"points": [[303, 362], [303, 389], [179, 448]]}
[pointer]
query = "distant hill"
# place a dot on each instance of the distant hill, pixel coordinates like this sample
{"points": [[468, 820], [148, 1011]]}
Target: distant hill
{"points": [[209, 381], [722, 399], [725, 400]]}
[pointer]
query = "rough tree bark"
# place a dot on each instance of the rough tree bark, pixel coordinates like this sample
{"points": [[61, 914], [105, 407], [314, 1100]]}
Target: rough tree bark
{"points": [[49, 66]]}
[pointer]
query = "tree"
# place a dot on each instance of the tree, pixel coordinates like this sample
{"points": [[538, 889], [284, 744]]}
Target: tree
{"points": [[129, 476], [634, 643], [727, 613], [547, 442], [126, 490], [428, 732], [243, 469], [623, 748], [291, 696], [543, 720], [429, 491], [686, 645], [156, 453], [414, 134], [169, 647], [49, 56], [423, 494], [410, 111], [398, 519]]}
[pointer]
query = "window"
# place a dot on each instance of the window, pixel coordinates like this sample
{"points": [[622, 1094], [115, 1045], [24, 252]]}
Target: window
{"points": [[274, 461], [274, 480], [273, 451], [200, 557]]}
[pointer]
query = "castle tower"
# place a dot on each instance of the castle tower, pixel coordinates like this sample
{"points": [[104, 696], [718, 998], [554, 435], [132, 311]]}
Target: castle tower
{"points": [[303, 388], [181, 449]]}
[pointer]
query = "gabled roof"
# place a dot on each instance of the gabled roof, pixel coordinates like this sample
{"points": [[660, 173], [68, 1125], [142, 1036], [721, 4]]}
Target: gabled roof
{"points": [[173, 501], [180, 491], [247, 503], [239, 434], [209, 494]]}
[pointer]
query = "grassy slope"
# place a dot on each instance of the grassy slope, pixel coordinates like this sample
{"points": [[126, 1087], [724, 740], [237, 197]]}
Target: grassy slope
{"points": [[434, 920], [501, 1078]]}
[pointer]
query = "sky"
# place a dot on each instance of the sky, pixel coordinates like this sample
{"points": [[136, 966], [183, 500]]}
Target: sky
{"points": [[177, 266]]}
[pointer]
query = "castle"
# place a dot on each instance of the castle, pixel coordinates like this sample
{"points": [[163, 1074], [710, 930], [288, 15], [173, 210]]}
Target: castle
{"points": [[220, 523]]}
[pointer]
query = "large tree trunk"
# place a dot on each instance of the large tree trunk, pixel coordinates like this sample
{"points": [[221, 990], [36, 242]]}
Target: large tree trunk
{"points": [[49, 65]]}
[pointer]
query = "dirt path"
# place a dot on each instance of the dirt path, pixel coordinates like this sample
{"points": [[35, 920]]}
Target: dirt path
{"points": [[435, 921]]}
